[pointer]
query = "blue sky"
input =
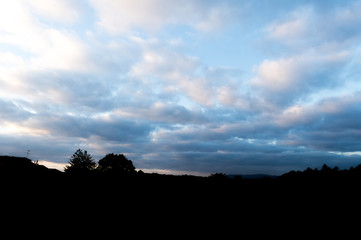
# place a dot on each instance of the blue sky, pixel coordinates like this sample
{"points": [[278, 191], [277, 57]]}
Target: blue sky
{"points": [[193, 87]]}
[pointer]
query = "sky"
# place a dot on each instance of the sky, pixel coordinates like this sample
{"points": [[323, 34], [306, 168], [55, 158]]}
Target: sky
{"points": [[183, 86]]}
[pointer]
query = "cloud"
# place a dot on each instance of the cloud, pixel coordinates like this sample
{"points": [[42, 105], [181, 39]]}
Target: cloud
{"points": [[300, 75], [296, 26], [215, 18], [184, 149], [37, 44], [18, 15], [328, 107], [329, 125], [117, 17], [10, 60], [345, 20], [10, 111], [171, 73], [61, 11], [165, 64], [62, 51], [313, 49], [85, 127], [278, 75], [162, 113], [313, 25]]}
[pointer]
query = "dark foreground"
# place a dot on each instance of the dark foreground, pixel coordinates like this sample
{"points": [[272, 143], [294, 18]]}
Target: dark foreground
{"points": [[22, 176], [310, 197]]}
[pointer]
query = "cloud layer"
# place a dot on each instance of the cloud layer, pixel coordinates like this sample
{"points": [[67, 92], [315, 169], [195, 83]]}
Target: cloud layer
{"points": [[133, 77]]}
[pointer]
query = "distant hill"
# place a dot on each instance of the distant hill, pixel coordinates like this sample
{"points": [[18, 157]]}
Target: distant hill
{"points": [[252, 176], [24, 168]]}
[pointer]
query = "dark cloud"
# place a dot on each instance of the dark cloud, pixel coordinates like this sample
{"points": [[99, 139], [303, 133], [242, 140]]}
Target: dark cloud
{"points": [[332, 126], [85, 127], [160, 112], [244, 161]]}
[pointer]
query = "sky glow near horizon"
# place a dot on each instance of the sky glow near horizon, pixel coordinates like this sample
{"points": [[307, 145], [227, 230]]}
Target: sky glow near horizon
{"points": [[187, 86]]}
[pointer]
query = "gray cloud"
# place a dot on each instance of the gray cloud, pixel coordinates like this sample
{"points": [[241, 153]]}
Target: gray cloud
{"points": [[163, 113], [84, 127], [14, 111], [333, 132]]}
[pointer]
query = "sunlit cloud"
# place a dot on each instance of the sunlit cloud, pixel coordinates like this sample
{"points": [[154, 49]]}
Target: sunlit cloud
{"points": [[17, 129]]}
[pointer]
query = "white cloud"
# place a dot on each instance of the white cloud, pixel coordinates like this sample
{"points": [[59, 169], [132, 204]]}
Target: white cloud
{"points": [[279, 75], [164, 70], [8, 60], [62, 51], [14, 18], [290, 29], [169, 71], [294, 115], [19, 129], [63, 11], [347, 153], [215, 18], [123, 16], [301, 72], [228, 96], [37, 45], [199, 90], [298, 25]]}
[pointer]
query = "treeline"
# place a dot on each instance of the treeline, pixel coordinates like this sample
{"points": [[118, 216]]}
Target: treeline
{"points": [[325, 173], [112, 188], [114, 179], [81, 162]]}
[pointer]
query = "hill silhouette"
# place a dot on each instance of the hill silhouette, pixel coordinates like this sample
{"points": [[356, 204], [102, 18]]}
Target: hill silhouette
{"points": [[148, 199], [23, 170], [20, 166]]}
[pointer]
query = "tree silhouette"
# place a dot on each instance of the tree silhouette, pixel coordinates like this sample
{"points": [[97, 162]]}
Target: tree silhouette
{"points": [[80, 162], [116, 164]]}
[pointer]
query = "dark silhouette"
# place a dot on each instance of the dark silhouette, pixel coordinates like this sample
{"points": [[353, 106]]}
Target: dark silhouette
{"points": [[80, 163], [98, 195], [218, 177], [116, 164], [326, 173], [115, 182], [21, 167]]}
